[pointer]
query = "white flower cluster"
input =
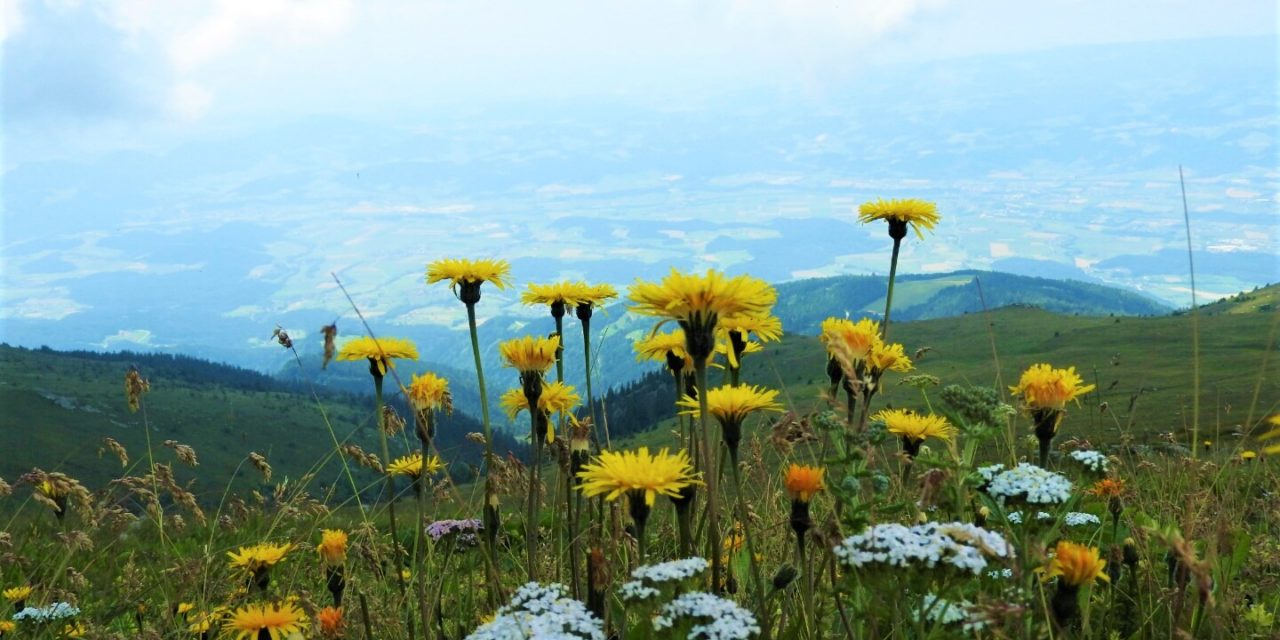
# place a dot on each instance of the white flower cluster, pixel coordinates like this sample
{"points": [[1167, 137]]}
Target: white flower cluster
{"points": [[998, 574], [990, 471], [51, 613], [1030, 483], [649, 577], [1094, 460], [961, 545], [1080, 519], [716, 618], [1015, 517], [541, 612], [940, 610]]}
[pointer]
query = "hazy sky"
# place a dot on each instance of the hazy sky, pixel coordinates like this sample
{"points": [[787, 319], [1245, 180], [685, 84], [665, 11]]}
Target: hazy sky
{"points": [[83, 77]]}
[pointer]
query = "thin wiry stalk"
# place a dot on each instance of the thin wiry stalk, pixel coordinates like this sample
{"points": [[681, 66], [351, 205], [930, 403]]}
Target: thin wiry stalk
{"points": [[490, 537], [1195, 328], [389, 492], [713, 524], [888, 296]]}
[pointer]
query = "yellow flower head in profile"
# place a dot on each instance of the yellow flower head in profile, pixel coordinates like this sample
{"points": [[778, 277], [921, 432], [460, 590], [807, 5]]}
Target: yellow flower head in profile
{"points": [[17, 594], [889, 357], [413, 466], [724, 348], [1246, 456], [803, 482], [259, 556], [1043, 387], [530, 354], [596, 294], [462, 271], [657, 346], [1076, 564], [7, 627], [732, 405], [850, 342], [557, 397], [74, 630], [915, 427], [379, 352], [765, 328], [1274, 434], [184, 608], [566, 293], [429, 392], [332, 547], [699, 301], [916, 213], [279, 620], [616, 473]]}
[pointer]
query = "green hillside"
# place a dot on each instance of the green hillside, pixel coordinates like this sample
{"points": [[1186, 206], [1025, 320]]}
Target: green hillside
{"points": [[59, 406], [1142, 366]]}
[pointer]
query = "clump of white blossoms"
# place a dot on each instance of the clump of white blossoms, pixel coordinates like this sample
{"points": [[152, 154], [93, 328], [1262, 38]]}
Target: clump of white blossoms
{"points": [[648, 579], [960, 545], [1081, 519], [1029, 483], [712, 618], [940, 610], [541, 612], [1092, 460], [989, 472], [52, 613]]}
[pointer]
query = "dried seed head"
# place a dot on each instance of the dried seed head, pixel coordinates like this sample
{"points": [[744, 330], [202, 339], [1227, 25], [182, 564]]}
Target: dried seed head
{"points": [[282, 336], [366, 460], [330, 332], [392, 423], [110, 444], [134, 386], [260, 463], [185, 453]]}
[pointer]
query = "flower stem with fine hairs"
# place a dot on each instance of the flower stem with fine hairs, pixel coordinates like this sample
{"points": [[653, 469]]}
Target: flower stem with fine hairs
{"points": [[763, 607], [708, 466], [491, 524], [389, 487], [893, 271], [420, 543]]}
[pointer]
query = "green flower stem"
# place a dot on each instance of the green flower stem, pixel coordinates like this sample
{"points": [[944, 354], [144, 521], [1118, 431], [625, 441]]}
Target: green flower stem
{"points": [[888, 297], [762, 604], [531, 509], [591, 402], [491, 533], [708, 453], [389, 489], [420, 546]]}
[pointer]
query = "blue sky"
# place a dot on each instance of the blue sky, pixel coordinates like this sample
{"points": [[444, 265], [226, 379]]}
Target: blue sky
{"points": [[178, 172]]}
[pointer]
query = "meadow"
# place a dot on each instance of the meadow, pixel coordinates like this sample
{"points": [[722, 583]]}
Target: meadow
{"points": [[1008, 474]]}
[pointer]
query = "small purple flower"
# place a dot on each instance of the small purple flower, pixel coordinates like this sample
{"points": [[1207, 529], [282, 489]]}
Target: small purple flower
{"points": [[466, 530]]}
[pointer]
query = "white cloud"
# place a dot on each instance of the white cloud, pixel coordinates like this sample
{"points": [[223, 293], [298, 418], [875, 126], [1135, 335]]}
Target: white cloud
{"points": [[282, 22], [50, 308], [189, 100], [1241, 194], [11, 20], [1000, 250], [134, 337]]}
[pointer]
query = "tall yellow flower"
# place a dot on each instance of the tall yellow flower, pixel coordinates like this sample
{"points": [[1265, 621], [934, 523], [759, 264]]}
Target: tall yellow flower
{"points": [[638, 473], [850, 342], [530, 354], [333, 546], [914, 428], [699, 302], [379, 352], [259, 556], [731, 405], [1076, 564], [556, 397], [461, 271], [596, 294], [278, 620], [803, 482], [910, 211], [414, 466], [558, 295], [736, 333], [17, 594], [1273, 434], [1043, 387], [666, 347], [429, 392], [888, 357]]}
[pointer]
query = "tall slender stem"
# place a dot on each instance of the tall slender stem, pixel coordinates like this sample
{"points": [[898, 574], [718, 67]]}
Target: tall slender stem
{"points": [[531, 510], [591, 401], [709, 476], [389, 488], [419, 567], [491, 525], [888, 296], [1195, 328], [762, 604]]}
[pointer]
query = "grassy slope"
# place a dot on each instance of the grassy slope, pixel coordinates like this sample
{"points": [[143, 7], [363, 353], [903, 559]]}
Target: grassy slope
{"points": [[1146, 357]]}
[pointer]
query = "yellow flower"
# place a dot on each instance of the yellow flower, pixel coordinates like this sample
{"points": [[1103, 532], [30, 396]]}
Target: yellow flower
{"points": [[888, 357], [330, 619], [803, 482], [615, 473], [17, 594], [915, 427], [1273, 434], [569, 294], [1107, 488], [723, 348], [698, 302], [333, 546], [657, 346], [731, 405], [379, 352], [259, 556], [279, 620], [1043, 387], [765, 328], [595, 294], [556, 397], [74, 630], [1076, 564], [462, 271], [530, 354], [7, 626], [850, 342], [429, 392], [184, 608], [1246, 456], [412, 465], [917, 213]]}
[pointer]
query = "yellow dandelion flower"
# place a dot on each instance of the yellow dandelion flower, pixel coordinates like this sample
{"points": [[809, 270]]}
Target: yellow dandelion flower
{"points": [[279, 620], [566, 294], [429, 392], [333, 546], [413, 466], [1246, 456], [730, 404], [74, 630], [7, 627], [462, 271], [259, 556], [616, 473], [699, 302], [17, 594], [765, 328], [1043, 387], [803, 482], [330, 622], [914, 427], [184, 608], [723, 348], [530, 354], [919, 214], [662, 346], [1273, 434], [379, 352], [595, 294], [556, 397], [1076, 564], [888, 357], [848, 341]]}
